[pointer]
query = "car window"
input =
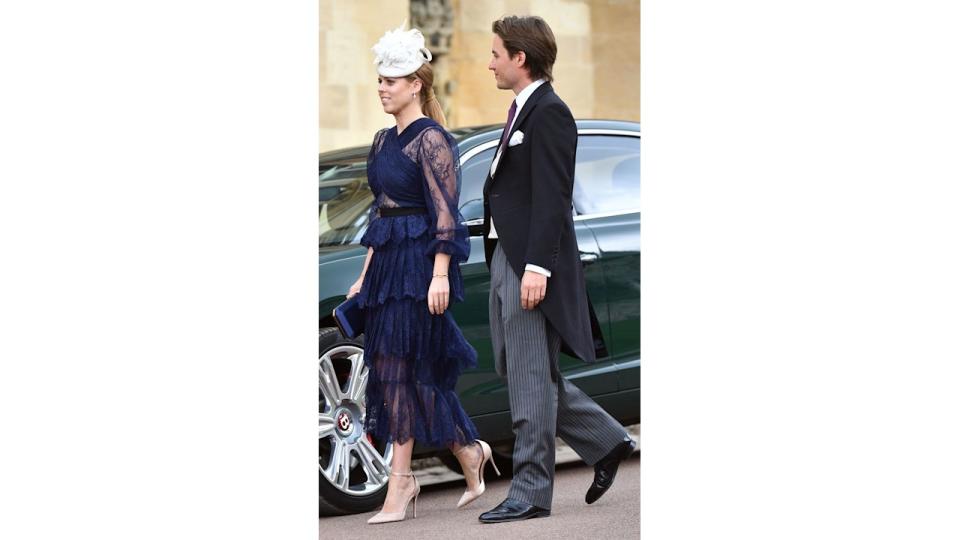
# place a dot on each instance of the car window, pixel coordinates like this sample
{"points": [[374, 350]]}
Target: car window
{"points": [[607, 177], [345, 200], [473, 174], [345, 196]]}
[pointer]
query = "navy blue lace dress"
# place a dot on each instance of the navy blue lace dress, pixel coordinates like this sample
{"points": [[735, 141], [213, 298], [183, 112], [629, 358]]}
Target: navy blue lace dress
{"points": [[414, 358]]}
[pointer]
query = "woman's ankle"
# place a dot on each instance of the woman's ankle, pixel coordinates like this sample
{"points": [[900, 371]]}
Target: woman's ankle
{"points": [[471, 455]]}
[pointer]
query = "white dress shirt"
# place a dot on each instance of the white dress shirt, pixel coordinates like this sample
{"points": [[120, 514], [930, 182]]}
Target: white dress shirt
{"points": [[521, 98]]}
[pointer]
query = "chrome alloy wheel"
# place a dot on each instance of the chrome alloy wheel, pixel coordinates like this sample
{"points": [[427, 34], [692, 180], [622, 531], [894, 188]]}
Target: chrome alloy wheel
{"points": [[348, 459]]}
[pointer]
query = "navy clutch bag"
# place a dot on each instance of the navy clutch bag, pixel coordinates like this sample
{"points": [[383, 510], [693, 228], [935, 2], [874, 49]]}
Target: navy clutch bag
{"points": [[349, 317]]}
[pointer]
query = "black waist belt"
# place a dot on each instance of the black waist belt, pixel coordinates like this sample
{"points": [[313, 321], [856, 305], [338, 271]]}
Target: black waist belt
{"points": [[402, 211]]}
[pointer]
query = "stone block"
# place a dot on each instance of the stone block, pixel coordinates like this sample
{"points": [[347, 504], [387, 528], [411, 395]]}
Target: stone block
{"points": [[617, 96], [469, 116], [616, 59], [323, 57], [327, 19], [576, 49], [474, 46], [369, 113], [564, 17], [518, 7], [334, 106], [344, 52], [378, 16], [575, 85], [477, 16], [615, 18]]}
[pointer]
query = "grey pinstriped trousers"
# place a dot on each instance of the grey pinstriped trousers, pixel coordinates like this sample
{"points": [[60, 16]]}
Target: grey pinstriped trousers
{"points": [[543, 404]]}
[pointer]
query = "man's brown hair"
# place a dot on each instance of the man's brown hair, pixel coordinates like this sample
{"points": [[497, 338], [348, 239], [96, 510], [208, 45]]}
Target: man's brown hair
{"points": [[533, 36]]}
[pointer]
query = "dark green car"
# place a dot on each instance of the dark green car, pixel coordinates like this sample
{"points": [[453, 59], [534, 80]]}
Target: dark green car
{"points": [[353, 467]]}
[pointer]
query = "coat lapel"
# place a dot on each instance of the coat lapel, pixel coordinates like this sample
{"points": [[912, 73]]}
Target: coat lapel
{"points": [[528, 106]]}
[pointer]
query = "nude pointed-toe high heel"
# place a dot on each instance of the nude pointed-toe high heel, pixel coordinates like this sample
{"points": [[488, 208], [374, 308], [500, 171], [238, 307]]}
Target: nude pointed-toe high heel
{"points": [[388, 517], [486, 455]]}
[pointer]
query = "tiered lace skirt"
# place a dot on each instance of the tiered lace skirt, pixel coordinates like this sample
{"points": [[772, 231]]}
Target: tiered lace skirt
{"points": [[414, 358]]}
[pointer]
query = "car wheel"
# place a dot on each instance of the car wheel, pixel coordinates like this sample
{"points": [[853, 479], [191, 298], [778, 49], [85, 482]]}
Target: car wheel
{"points": [[354, 468]]}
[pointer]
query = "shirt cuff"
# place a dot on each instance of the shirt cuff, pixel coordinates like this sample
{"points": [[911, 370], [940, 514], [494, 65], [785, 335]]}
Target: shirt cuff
{"points": [[537, 269]]}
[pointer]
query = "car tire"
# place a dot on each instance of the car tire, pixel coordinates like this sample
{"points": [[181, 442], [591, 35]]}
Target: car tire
{"points": [[353, 468]]}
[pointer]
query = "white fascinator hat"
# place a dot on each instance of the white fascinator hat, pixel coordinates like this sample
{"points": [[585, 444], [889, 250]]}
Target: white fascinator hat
{"points": [[400, 52]]}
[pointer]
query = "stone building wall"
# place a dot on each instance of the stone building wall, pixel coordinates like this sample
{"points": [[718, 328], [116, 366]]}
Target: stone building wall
{"points": [[615, 43], [350, 111], [597, 69]]}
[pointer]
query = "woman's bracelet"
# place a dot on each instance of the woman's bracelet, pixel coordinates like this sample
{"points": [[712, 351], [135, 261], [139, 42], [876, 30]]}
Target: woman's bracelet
{"points": [[439, 275]]}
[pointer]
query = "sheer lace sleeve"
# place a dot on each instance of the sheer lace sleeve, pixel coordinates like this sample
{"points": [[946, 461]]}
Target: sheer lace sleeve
{"points": [[440, 162], [373, 216]]}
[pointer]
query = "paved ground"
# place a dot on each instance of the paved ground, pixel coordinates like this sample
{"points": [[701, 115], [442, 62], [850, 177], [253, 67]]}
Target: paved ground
{"points": [[616, 515], [432, 471]]}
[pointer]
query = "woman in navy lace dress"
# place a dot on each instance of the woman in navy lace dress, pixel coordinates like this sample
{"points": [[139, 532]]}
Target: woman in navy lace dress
{"points": [[415, 243]]}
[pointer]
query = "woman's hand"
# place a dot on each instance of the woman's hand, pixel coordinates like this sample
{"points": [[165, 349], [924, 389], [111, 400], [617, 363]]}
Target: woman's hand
{"points": [[355, 288], [438, 297]]}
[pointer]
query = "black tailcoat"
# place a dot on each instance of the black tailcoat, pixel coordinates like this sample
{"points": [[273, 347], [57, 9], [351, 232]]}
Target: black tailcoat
{"points": [[530, 199]]}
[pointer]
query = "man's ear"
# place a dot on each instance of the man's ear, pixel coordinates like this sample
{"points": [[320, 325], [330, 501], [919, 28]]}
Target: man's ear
{"points": [[521, 58]]}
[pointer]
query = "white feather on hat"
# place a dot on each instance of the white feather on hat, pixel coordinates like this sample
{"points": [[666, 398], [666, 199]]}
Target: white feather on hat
{"points": [[400, 52]]}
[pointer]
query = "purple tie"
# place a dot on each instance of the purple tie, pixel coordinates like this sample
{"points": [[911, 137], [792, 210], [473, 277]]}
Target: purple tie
{"points": [[506, 128]]}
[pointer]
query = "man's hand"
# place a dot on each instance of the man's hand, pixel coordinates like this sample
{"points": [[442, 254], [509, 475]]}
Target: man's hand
{"points": [[533, 287]]}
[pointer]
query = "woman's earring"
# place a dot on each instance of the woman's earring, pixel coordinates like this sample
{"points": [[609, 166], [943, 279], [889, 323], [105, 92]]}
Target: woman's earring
{"points": [[414, 94]]}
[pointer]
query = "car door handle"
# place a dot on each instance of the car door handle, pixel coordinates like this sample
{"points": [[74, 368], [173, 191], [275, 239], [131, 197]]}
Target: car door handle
{"points": [[587, 257]]}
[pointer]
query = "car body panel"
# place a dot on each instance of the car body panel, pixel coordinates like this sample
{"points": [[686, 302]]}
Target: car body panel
{"points": [[620, 259]]}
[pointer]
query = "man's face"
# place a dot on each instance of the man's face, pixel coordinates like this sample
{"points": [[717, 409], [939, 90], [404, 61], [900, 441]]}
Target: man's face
{"points": [[506, 70]]}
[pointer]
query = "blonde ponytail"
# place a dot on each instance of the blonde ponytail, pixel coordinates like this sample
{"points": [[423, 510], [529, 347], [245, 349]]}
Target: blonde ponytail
{"points": [[433, 109], [429, 103]]}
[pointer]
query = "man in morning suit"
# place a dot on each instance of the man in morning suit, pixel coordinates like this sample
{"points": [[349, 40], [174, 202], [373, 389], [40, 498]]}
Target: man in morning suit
{"points": [[538, 299]]}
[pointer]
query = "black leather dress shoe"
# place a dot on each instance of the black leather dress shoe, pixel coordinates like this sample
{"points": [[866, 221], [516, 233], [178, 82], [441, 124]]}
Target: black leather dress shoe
{"points": [[606, 470], [513, 510]]}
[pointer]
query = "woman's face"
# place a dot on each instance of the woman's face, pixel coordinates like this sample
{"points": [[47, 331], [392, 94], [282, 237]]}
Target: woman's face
{"points": [[396, 93]]}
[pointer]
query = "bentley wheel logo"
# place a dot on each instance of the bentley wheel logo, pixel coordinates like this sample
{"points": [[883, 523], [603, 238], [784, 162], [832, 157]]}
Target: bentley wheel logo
{"points": [[343, 421]]}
